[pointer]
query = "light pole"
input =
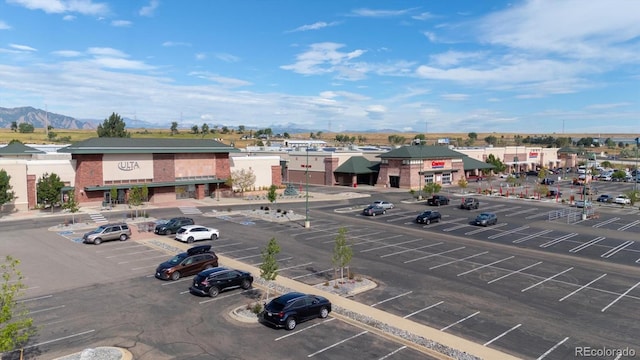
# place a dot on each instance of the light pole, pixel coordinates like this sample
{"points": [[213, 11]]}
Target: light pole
{"points": [[635, 180], [307, 224], [420, 174]]}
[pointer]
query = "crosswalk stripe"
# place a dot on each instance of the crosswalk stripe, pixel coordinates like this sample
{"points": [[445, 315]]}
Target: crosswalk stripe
{"points": [[190, 210], [98, 218]]}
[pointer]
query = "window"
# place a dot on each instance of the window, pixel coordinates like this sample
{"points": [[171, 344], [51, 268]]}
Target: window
{"points": [[428, 179], [446, 178]]}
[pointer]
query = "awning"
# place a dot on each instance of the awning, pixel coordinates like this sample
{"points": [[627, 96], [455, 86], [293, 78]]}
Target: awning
{"points": [[154, 184]]}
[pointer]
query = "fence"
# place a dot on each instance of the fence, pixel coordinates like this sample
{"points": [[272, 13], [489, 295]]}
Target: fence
{"points": [[573, 215]]}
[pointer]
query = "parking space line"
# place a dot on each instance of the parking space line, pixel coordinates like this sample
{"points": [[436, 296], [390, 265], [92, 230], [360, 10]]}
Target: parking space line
{"points": [[583, 286], [398, 218], [458, 260], [537, 215], [321, 236], [393, 352], [484, 266], [552, 348], [47, 309], [616, 249], [144, 267], [529, 237], [407, 250], [338, 343], [132, 253], [514, 272], [311, 274], [295, 266], [34, 299], [390, 245], [435, 254], [545, 280], [507, 232], [225, 245], [486, 228], [587, 244], [507, 209], [377, 239], [521, 212], [59, 339], [138, 260], [248, 257], [558, 240], [459, 226], [127, 247], [501, 335], [391, 298], [423, 309], [351, 237], [235, 251], [301, 330], [220, 297], [630, 225], [461, 320], [283, 259], [620, 297], [602, 223]]}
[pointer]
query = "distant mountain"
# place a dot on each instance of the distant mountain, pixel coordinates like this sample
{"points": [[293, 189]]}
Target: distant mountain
{"points": [[38, 118]]}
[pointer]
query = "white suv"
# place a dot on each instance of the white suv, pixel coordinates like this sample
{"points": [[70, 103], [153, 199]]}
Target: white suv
{"points": [[191, 233]]}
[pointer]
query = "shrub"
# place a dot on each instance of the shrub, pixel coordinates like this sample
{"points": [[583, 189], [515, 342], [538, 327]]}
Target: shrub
{"points": [[256, 308], [266, 208], [279, 210], [261, 207]]}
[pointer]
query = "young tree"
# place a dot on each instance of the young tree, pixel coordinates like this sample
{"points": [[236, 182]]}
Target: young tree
{"points": [[6, 194], [269, 266], [472, 137], [342, 253], [135, 198], [431, 188], [14, 126], [72, 205], [241, 129], [272, 195], [25, 128], [114, 127], [242, 179], [194, 129], [113, 194], [16, 327], [396, 139], [49, 188], [174, 128], [204, 129], [463, 183]]}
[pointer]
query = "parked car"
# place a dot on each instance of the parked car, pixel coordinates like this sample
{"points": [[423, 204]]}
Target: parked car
{"points": [[605, 198], [172, 226], [373, 210], [211, 282], [583, 204], [383, 204], [547, 181], [622, 199], [193, 261], [292, 308], [428, 216], [437, 200], [191, 233], [470, 203], [107, 232], [531, 173], [554, 193], [486, 219]]}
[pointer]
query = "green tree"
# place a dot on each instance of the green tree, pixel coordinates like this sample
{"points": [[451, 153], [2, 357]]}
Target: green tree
{"points": [[420, 137], [51, 135], [242, 179], [135, 198], [342, 253], [194, 129], [472, 137], [16, 327], [6, 194], [113, 194], [491, 140], [14, 126], [396, 139], [25, 128], [272, 195], [286, 135], [463, 183], [113, 127], [431, 188], [49, 189], [71, 205], [241, 129], [204, 129], [174, 128], [497, 163], [269, 266]]}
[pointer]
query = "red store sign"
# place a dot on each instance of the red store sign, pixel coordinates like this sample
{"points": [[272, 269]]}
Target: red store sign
{"points": [[533, 154], [437, 164]]}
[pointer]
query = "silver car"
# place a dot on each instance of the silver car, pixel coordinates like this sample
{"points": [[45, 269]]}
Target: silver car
{"points": [[107, 232]]}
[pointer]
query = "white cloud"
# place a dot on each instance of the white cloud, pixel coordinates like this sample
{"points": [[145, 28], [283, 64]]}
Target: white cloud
{"points": [[150, 9], [455, 97], [4, 25], [227, 57], [423, 16], [85, 7], [431, 36], [121, 23], [607, 106], [68, 18], [121, 64], [67, 53], [364, 12], [315, 26], [325, 58], [200, 56], [23, 48], [227, 82], [105, 51], [175, 43], [450, 58]]}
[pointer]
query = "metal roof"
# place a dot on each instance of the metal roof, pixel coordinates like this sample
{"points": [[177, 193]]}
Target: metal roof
{"points": [[17, 148], [357, 165], [422, 152], [147, 146]]}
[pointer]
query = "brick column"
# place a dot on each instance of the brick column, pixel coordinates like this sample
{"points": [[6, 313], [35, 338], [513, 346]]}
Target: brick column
{"points": [[330, 165], [276, 175], [31, 192], [200, 191]]}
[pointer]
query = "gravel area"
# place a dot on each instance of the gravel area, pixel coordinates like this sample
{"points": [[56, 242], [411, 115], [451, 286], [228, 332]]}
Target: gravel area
{"points": [[100, 353]]}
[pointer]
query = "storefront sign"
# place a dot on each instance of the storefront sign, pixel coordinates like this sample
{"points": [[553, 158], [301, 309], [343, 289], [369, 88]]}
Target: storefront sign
{"points": [[128, 165], [437, 164], [533, 155]]}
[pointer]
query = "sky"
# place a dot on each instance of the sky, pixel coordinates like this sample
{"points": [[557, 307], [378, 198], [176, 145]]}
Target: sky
{"points": [[456, 66]]}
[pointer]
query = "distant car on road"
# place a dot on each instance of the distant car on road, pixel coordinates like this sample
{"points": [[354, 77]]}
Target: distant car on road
{"points": [[554, 193], [547, 181], [605, 198], [486, 219], [622, 199], [373, 210], [470, 203], [383, 204], [437, 200], [191, 233], [428, 216]]}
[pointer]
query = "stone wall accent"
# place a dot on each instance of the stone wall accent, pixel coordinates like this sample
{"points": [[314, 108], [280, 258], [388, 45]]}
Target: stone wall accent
{"points": [[276, 175], [330, 165], [163, 168], [88, 173], [32, 192]]}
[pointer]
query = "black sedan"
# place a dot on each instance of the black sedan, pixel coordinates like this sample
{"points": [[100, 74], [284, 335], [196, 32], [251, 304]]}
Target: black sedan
{"points": [[428, 216], [292, 308], [373, 210], [211, 282]]}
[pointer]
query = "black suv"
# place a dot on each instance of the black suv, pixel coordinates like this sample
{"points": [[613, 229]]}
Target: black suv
{"points": [[211, 282], [437, 200], [470, 203], [428, 216], [292, 308], [172, 226], [193, 261]]}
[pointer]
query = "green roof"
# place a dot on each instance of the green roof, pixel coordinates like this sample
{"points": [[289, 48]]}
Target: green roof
{"points": [[473, 164], [147, 146], [17, 148], [567, 150], [357, 165], [422, 152]]}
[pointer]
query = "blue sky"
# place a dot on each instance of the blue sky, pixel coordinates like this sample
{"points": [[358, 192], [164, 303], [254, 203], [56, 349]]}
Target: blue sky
{"points": [[539, 66]]}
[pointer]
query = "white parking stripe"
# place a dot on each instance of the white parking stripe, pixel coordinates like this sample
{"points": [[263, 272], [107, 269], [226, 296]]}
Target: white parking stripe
{"points": [[537, 215], [543, 232], [521, 212], [605, 222], [583, 286], [558, 240], [616, 249], [391, 298], [630, 225], [486, 228], [47, 309], [460, 226], [436, 254], [545, 280], [423, 309], [283, 259], [501, 335], [235, 251], [336, 344], [507, 232], [484, 266], [34, 299], [305, 329], [620, 297], [295, 266], [131, 253], [376, 239], [312, 274], [390, 245], [587, 244], [461, 320], [393, 352], [514, 272], [407, 250], [508, 209], [457, 260], [553, 348], [59, 339]]}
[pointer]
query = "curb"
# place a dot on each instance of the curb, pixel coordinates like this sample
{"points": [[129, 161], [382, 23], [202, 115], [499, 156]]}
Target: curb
{"points": [[100, 353]]}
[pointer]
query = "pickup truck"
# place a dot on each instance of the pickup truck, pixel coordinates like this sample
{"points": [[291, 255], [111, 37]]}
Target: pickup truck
{"points": [[437, 200]]}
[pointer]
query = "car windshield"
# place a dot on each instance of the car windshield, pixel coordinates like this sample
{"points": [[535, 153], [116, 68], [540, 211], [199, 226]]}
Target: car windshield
{"points": [[181, 230], [426, 213], [483, 216], [178, 258], [276, 305], [99, 229]]}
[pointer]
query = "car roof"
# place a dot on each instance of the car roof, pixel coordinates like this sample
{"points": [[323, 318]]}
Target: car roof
{"points": [[193, 226], [216, 270], [291, 296]]}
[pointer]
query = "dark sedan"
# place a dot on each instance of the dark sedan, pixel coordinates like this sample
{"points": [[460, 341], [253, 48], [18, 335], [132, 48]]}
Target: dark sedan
{"points": [[293, 308], [605, 198], [428, 216], [486, 219], [373, 210]]}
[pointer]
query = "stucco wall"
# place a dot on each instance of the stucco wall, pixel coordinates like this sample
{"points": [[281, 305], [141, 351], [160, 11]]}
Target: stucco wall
{"points": [[262, 167], [17, 170]]}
